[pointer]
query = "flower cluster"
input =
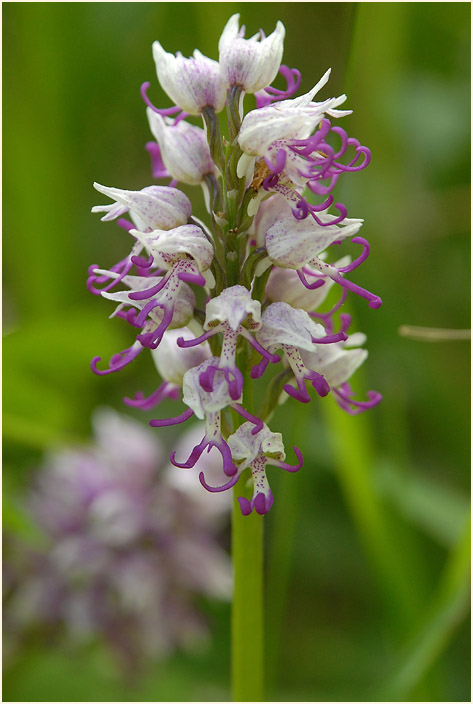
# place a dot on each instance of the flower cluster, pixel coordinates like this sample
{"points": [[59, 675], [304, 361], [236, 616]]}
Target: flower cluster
{"points": [[217, 303], [128, 548]]}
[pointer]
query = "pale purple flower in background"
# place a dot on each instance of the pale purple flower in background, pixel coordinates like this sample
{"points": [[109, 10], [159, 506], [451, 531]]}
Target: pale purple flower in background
{"points": [[127, 550]]}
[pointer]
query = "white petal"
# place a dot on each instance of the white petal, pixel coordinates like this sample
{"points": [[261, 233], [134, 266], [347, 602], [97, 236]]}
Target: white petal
{"points": [[293, 243], [335, 363], [285, 325], [184, 149], [154, 207], [285, 285], [246, 446], [247, 62], [235, 307], [167, 246], [204, 402], [193, 83], [172, 361], [230, 31]]}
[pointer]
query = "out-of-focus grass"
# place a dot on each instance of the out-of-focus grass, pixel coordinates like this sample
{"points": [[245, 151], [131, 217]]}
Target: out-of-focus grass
{"points": [[366, 556]]}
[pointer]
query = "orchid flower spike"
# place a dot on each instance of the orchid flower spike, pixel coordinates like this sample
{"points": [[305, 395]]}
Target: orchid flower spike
{"points": [[260, 280]]}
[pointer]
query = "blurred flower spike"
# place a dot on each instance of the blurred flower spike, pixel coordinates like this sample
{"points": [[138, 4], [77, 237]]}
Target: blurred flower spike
{"points": [[222, 303], [131, 545]]}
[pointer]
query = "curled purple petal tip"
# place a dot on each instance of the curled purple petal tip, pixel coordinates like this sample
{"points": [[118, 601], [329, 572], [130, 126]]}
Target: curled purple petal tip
{"points": [[215, 489]]}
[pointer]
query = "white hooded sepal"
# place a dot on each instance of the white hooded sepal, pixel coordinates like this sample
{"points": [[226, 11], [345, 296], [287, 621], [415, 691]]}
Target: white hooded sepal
{"points": [[194, 83], [152, 208], [335, 362], [184, 149], [284, 325], [245, 447], [204, 402], [250, 63], [169, 246], [172, 361], [235, 307], [294, 243]]}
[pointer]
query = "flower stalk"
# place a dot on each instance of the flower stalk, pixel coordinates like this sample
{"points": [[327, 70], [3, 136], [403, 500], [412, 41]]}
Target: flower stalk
{"points": [[247, 664]]}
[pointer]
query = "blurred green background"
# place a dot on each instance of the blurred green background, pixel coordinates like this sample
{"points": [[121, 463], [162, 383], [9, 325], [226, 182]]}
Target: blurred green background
{"points": [[367, 547]]}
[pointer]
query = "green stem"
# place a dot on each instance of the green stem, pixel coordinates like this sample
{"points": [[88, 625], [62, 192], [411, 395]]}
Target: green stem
{"points": [[247, 611]]}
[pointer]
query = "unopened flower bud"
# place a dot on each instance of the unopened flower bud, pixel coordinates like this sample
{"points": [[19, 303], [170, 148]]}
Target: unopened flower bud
{"points": [[250, 63], [184, 149], [152, 208], [194, 83]]}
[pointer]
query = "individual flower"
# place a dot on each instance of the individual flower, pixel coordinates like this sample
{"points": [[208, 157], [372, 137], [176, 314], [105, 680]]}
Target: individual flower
{"points": [[162, 301], [282, 154], [256, 451], [183, 148], [193, 84], [171, 305], [207, 405], [288, 120], [297, 244], [232, 313], [293, 330], [249, 63], [337, 363], [152, 208]]}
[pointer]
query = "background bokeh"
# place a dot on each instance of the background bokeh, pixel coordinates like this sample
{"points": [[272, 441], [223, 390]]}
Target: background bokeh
{"points": [[367, 547]]}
